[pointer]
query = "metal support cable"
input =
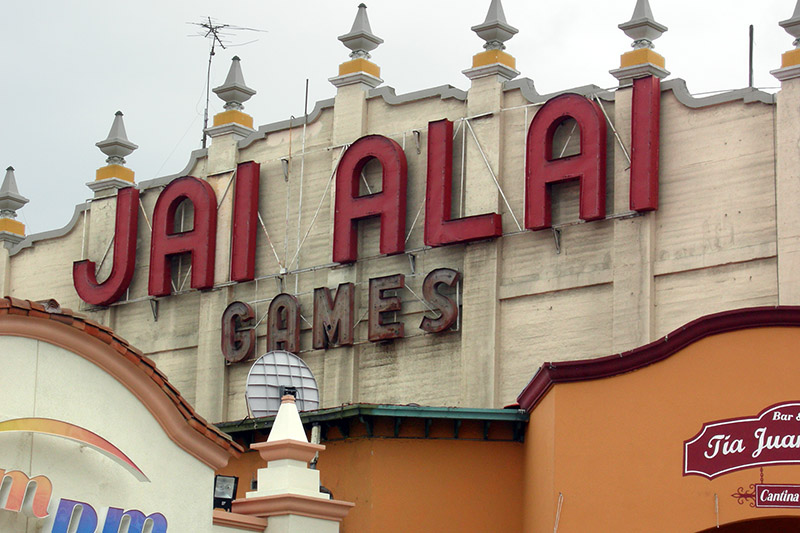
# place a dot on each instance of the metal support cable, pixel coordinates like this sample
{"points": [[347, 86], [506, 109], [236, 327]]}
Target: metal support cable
{"points": [[432, 310], [494, 177], [108, 248], [266, 233], [319, 206], [619, 140], [228, 186]]}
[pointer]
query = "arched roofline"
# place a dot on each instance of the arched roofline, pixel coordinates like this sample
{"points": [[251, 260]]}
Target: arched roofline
{"points": [[550, 374], [101, 346]]}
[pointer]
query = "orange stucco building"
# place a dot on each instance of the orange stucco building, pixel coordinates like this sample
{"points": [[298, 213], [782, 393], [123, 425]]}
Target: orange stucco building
{"points": [[608, 445]]}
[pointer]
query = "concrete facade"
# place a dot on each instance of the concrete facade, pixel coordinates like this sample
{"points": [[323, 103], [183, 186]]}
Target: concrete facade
{"points": [[724, 237]]}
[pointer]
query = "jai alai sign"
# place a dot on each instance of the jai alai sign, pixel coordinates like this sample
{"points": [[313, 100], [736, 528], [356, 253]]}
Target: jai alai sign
{"points": [[542, 169], [770, 438]]}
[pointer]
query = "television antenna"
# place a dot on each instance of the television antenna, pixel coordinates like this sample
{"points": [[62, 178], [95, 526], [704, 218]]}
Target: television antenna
{"points": [[277, 373], [220, 35]]}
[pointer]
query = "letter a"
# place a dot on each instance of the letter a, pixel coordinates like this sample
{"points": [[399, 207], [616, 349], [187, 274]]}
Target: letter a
{"points": [[389, 204], [589, 166]]}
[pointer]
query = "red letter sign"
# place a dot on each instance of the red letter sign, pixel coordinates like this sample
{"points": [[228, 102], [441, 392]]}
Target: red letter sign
{"points": [[200, 241], [238, 343], [439, 228], [283, 324], [589, 166], [644, 143], [448, 310], [83, 272], [389, 204], [333, 318], [245, 222], [380, 304]]}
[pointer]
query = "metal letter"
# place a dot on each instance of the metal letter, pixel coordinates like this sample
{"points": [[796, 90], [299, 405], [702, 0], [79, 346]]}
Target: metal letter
{"points": [[379, 304], [245, 222], [17, 488], [333, 318], [136, 523], [589, 166], [83, 272], [283, 330], [448, 310], [200, 241], [645, 123], [87, 523], [238, 343], [439, 228], [389, 204]]}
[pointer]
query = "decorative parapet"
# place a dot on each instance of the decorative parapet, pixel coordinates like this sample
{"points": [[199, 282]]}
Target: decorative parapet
{"points": [[11, 231], [234, 92], [642, 61], [790, 61], [287, 486], [361, 41], [493, 61], [115, 175]]}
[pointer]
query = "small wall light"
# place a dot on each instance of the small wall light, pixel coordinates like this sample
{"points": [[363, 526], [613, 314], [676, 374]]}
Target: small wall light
{"points": [[225, 491]]}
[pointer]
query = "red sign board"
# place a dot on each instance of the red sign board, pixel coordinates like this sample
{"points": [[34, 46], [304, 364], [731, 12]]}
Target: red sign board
{"points": [[770, 438], [783, 496]]}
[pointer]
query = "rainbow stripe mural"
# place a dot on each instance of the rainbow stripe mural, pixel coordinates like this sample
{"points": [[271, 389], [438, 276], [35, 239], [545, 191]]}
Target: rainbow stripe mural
{"points": [[65, 430]]}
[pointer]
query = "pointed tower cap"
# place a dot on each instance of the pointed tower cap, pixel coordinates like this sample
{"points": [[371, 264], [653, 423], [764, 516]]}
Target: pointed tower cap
{"points": [[792, 25], [642, 27], [116, 146], [10, 198], [495, 30], [234, 91], [287, 423], [360, 39]]}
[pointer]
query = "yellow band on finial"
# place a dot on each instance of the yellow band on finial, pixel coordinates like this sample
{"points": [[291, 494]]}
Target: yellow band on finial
{"points": [[640, 57], [114, 171]]}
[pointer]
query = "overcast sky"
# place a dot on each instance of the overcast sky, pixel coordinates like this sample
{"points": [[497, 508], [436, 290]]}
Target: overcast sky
{"points": [[67, 67]]}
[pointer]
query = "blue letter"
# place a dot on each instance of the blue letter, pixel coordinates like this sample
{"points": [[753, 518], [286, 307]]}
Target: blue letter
{"points": [[87, 521], [137, 521]]}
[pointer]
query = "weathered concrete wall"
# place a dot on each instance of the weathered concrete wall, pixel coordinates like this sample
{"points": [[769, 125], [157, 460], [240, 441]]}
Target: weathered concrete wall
{"points": [[526, 298]]}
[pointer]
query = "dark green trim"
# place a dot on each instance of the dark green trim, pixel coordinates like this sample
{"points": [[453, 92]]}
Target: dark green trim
{"points": [[366, 411]]}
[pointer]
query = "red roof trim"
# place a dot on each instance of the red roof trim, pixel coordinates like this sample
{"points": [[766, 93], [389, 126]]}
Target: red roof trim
{"points": [[613, 365], [194, 426]]}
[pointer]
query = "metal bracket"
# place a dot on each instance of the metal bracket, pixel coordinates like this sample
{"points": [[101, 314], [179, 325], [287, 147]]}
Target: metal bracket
{"points": [[557, 239], [154, 309], [344, 428], [412, 261], [285, 165], [369, 424], [417, 140]]}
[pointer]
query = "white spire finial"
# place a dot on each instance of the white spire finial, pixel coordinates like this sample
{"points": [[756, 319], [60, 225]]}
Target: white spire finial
{"points": [[234, 91], [495, 30], [116, 146], [10, 198], [642, 27], [287, 423], [360, 39]]}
